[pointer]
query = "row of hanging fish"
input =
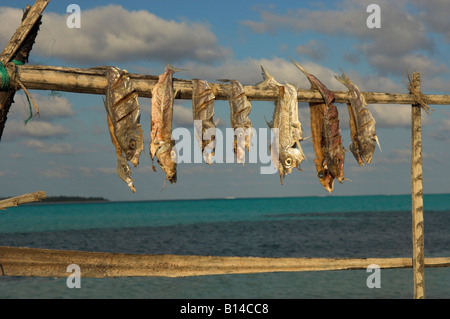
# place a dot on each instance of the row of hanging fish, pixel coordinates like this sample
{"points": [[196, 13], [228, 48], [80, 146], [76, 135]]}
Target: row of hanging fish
{"points": [[126, 134]]}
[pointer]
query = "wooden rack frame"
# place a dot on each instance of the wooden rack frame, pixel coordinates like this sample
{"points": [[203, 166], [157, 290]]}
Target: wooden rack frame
{"points": [[40, 262]]}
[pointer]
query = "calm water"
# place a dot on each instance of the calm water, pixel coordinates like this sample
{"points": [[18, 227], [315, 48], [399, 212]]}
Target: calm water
{"points": [[354, 227]]}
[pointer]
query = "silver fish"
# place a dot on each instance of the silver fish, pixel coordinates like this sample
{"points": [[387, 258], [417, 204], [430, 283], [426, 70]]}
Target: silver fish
{"points": [[203, 113], [287, 153], [240, 108], [123, 170], [362, 123], [122, 107], [162, 146]]}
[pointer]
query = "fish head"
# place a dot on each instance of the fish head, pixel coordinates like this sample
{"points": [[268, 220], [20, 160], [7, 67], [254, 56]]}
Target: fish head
{"points": [[133, 145], [326, 179], [367, 148], [290, 158], [335, 164], [167, 160]]}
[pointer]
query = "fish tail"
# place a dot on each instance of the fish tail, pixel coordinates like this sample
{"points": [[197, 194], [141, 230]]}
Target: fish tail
{"points": [[299, 67], [173, 69], [267, 79]]}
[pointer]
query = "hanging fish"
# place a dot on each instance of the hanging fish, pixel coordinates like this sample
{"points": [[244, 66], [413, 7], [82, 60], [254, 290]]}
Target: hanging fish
{"points": [[203, 112], [327, 142], [362, 123], [162, 145], [122, 109], [286, 151], [123, 170], [240, 108]]}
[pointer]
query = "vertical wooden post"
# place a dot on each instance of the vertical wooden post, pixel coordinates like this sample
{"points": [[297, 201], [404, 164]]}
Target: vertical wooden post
{"points": [[417, 196]]}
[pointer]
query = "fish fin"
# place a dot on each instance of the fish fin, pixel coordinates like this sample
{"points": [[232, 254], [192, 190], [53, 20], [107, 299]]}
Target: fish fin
{"points": [[378, 142], [164, 185], [268, 124]]}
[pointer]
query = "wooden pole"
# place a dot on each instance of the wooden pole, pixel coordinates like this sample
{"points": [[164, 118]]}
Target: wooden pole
{"points": [[22, 199], [19, 261], [93, 81], [417, 195], [18, 48], [29, 21]]}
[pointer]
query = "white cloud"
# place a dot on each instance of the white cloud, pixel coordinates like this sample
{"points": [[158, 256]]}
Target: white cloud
{"points": [[313, 49], [112, 33], [57, 171], [402, 35], [248, 72], [182, 115], [55, 148], [50, 107], [35, 128]]}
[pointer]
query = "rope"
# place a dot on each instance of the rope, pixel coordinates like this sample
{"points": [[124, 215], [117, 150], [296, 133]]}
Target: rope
{"points": [[5, 86]]}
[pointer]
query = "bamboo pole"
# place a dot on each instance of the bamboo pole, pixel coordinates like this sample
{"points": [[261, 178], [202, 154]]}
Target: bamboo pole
{"points": [[417, 195], [18, 49], [93, 81], [22, 32], [18, 261], [22, 199]]}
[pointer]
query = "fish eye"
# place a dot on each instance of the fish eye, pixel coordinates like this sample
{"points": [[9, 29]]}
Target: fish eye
{"points": [[132, 144], [240, 134], [173, 154], [288, 162], [321, 174]]}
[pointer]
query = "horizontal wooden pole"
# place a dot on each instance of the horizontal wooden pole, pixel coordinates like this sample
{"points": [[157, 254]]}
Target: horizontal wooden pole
{"points": [[93, 81], [18, 261], [22, 199]]}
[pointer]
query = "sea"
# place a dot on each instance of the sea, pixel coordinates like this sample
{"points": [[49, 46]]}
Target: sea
{"points": [[329, 227]]}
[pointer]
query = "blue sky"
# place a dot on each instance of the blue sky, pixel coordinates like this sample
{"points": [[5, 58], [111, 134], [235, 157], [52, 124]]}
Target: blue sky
{"points": [[67, 150]]}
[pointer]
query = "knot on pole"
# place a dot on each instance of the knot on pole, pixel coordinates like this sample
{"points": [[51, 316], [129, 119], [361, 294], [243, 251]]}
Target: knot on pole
{"points": [[418, 96], [6, 78], [10, 80]]}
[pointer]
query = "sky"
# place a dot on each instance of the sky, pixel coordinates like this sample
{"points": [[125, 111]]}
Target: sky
{"points": [[67, 149]]}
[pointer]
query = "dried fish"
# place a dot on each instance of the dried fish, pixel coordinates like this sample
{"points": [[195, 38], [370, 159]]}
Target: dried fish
{"points": [[123, 170], [240, 108], [122, 109], [162, 145], [203, 112], [327, 142], [287, 153], [362, 123]]}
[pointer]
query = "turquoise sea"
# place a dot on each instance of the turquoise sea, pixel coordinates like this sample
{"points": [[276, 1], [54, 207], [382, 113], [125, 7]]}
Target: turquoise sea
{"points": [[353, 227]]}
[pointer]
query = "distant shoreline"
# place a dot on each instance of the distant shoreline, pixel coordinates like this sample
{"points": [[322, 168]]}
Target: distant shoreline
{"points": [[72, 199]]}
